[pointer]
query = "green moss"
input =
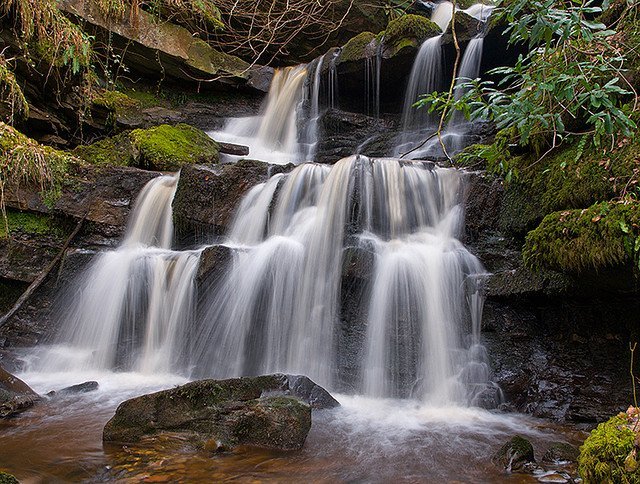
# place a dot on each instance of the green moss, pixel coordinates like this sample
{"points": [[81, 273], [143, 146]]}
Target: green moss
{"points": [[30, 223], [114, 151], [355, 48], [169, 147], [116, 101], [163, 148], [408, 29], [604, 455], [603, 235]]}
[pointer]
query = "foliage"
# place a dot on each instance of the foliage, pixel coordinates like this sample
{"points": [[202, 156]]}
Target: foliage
{"points": [[608, 454], [604, 235], [51, 36], [11, 94], [572, 83], [23, 160]]}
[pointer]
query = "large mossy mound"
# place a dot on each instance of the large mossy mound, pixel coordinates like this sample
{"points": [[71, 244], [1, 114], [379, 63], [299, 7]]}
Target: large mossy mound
{"points": [[408, 30], [356, 48], [603, 235], [162, 148], [609, 454]]}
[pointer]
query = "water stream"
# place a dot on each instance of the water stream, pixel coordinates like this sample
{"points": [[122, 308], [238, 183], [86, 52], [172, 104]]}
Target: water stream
{"points": [[403, 353]]}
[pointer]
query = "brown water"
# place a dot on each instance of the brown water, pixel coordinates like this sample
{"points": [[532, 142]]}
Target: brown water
{"points": [[365, 440]]}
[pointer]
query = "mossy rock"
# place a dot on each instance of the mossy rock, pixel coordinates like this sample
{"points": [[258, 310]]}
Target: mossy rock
{"points": [[231, 412], [116, 101], [407, 31], [357, 47], [114, 151], [162, 148], [561, 452], [609, 454], [514, 454], [601, 236], [167, 148]]}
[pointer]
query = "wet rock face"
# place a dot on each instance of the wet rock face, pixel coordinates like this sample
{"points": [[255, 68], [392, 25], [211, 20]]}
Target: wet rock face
{"points": [[565, 359], [272, 411], [208, 196]]}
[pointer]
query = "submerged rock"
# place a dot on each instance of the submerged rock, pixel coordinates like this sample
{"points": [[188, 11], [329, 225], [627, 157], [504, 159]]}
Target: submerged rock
{"points": [[271, 411], [514, 455], [15, 395], [88, 386], [561, 452]]}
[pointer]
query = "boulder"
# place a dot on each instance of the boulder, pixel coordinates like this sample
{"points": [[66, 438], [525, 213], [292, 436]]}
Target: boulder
{"points": [[207, 196], [560, 452], [515, 455], [15, 395], [271, 411], [86, 387]]}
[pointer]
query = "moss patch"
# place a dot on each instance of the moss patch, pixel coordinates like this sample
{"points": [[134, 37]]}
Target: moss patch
{"points": [[603, 235], [114, 151], [355, 49], [167, 147], [30, 223], [116, 101], [407, 30], [609, 453]]}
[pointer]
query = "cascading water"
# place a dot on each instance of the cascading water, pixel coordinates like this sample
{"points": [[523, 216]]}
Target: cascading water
{"points": [[425, 76], [310, 139], [273, 135], [372, 68], [278, 308], [131, 307]]}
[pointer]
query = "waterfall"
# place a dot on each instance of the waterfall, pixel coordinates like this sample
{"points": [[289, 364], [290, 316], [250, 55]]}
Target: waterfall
{"points": [[272, 135], [130, 308], [442, 15], [372, 69], [425, 77], [279, 306], [333, 82], [310, 139], [469, 70]]}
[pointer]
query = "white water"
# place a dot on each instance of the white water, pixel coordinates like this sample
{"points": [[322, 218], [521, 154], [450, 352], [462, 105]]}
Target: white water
{"points": [[272, 135], [130, 307], [278, 308], [443, 13], [426, 77]]}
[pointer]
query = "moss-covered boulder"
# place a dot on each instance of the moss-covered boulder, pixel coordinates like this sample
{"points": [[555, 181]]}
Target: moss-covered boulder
{"points": [[610, 453], [271, 411], [407, 31], [167, 148], [359, 47], [561, 452], [162, 148], [602, 236], [514, 455]]}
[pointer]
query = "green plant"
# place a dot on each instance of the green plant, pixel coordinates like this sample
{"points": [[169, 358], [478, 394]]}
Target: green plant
{"points": [[11, 94], [572, 82]]}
